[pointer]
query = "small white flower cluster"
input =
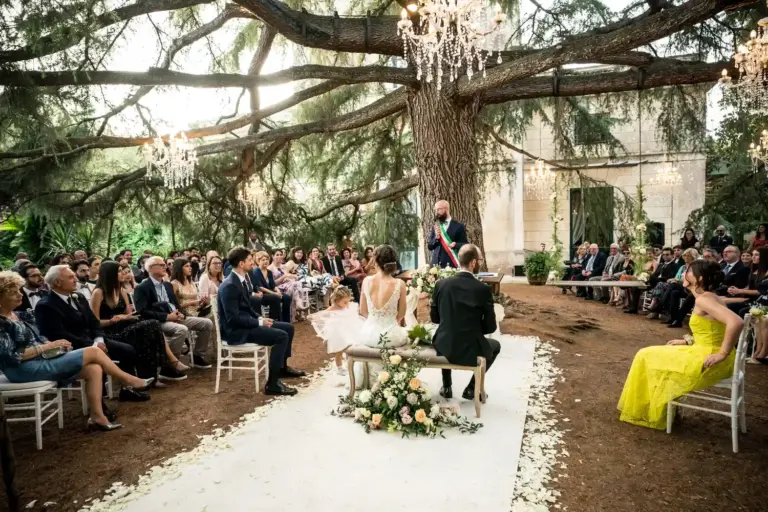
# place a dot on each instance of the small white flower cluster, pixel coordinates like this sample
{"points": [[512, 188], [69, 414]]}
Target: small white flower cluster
{"points": [[644, 277], [424, 280], [542, 439]]}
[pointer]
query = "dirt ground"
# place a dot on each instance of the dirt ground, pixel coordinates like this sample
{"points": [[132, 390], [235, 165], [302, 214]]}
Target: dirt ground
{"points": [[613, 466]]}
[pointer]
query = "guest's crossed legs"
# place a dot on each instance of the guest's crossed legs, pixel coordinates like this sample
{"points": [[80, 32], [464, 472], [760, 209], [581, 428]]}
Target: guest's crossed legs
{"points": [[491, 350], [177, 333]]}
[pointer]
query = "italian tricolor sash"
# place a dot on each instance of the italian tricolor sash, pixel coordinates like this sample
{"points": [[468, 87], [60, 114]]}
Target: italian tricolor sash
{"points": [[446, 242]]}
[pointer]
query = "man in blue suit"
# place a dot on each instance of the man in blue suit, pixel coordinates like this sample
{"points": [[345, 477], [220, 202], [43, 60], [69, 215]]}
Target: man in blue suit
{"points": [[447, 237], [240, 323]]}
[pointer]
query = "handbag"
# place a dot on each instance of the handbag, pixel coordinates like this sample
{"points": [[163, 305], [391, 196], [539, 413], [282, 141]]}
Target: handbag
{"points": [[54, 353]]}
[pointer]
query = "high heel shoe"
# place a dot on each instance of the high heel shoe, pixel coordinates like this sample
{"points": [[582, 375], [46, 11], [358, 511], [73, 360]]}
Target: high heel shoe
{"points": [[147, 383], [103, 427]]}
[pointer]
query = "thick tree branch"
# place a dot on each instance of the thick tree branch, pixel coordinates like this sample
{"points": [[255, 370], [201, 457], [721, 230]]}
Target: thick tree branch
{"points": [[391, 190], [361, 35], [637, 32], [50, 44], [159, 76], [586, 84]]}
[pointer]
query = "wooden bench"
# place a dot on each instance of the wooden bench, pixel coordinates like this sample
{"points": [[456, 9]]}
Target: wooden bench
{"points": [[426, 356], [600, 284]]}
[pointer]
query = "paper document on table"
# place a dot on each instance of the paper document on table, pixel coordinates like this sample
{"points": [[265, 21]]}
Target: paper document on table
{"points": [[487, 274]]}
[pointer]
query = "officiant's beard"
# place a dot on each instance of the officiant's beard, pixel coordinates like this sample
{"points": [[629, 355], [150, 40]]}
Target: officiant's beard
{"points": [[442, 217]]}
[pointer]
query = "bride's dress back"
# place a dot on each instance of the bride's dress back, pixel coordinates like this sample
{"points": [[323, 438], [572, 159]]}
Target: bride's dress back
{"points": [[382, 319]]}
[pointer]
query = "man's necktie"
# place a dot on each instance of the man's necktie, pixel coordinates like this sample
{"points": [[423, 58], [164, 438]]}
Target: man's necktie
{"points": [[727, 269], [248, 285], [71, 303]]}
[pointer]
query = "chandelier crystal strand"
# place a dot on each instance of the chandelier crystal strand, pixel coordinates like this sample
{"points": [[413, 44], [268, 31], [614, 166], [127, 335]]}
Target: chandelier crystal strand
{"points": [[758, 153], [751, 61], [254, 196], [538, 181], [174, 162], [450, 33]]}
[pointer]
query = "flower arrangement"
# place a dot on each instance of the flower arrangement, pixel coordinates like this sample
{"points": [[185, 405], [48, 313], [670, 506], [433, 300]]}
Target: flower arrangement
{"points": [[398, 402], [420, 335], [758, 311], [643, 276], [425, 279], [557, 268]]}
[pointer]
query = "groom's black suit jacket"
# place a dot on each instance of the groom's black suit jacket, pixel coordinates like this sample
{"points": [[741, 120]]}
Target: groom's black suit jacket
{"points": [[463, 308]]}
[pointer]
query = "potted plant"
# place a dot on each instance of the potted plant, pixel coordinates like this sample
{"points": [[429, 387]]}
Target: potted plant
{"points": [[537, 267]]}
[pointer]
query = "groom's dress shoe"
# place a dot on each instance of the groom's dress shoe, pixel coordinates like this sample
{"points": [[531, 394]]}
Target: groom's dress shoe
{"points": [[469, 394], [279, 389], [446, 393], [289, 372]]}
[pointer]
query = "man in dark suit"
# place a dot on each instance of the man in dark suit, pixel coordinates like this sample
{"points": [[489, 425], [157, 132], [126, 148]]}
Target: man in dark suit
{"points": [[446, 233], [156, 300], [33, 289], [593, 267], [64, 314], [333, 265], [721, 240], [736, 272], [240, 323], [463, 307]]}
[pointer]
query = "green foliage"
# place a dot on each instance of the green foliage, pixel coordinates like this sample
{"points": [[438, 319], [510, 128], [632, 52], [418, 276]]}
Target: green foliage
{"points": [[537, 265]]}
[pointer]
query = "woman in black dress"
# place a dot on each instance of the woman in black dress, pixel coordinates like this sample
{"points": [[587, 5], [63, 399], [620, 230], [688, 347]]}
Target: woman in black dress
{"points": [[110, 305]]}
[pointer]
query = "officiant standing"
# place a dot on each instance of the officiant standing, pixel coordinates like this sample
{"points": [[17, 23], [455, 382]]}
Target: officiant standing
{"points": [[446, 238]]}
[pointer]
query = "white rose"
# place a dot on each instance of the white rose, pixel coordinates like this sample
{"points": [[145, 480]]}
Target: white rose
{"points": [[376, 386], [412, 398], [420, 282], [392, 402], [434, 411], [395, 359], [433, 271], [358, 414], [366, 413], [387, 393], [427, 393], [365, 396]]}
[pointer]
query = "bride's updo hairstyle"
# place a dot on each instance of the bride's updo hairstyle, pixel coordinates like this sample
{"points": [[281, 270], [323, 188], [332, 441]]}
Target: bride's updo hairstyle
{"points": [[386, 259], [708, 274]]}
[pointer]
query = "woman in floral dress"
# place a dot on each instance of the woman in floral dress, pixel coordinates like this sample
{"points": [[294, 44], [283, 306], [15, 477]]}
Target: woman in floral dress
{"points": [[289, 284]]}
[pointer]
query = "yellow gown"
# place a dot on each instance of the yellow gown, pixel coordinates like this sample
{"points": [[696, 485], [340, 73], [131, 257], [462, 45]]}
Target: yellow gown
{"points": [[661, 374]]}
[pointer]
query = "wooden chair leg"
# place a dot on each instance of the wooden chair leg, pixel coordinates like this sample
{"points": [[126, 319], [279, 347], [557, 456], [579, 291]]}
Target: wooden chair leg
{"points": [[218, 373], [478, 385], [38, 422], [60, 405], [366, 376], [351, 371]]}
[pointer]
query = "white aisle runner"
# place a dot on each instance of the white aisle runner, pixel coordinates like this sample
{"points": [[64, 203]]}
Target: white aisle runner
{"points": [[301, 458]]}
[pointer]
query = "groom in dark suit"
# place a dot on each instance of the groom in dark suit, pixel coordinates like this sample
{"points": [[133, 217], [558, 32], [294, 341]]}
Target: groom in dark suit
{"points": [[240, 323], [463, 308], [446, 238]]}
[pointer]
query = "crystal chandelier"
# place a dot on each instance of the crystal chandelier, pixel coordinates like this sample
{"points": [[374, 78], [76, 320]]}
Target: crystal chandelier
{"points": [[173, 162], [667, 177], [758, 153], [751, 61], [254, 196], [452, 34], [538, 181]]}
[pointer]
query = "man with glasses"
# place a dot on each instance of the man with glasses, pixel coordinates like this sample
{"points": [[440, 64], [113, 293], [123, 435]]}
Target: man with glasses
{"points": [[33, 289], [736, 272], [612, 266], [721, 240], [156, 300]]}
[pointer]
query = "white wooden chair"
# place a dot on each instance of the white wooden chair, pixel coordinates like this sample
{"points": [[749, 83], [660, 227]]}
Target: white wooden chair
{"points": [[80, 386], [259, 355], [40, 404], [736, 411]]}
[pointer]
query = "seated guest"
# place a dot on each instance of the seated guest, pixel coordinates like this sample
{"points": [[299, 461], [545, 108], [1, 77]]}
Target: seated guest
{"points": [[612, 264], [711, 254], [746, 259], [661, 374], [191, 303], [665, 271], [61, 259], [678, 256], [168, 269], [592, 268], [736, 273], [94, 263], [156, 300], [212, 277], [79, 255], [141, 273], [315, 262], [352, 268], [112, 308], [625, 272], [82, 271], [689, 240], [22, 348], [335, 267], [760, 239], [721, 240], [194, 263], [741, 299], [357, 267], [309, 275], [288, 283], [240, 323], [670, 299], [369, 265], [64, 314], [264, 281], [127, 279], [253, 242], [33, 289], [21, 260]]}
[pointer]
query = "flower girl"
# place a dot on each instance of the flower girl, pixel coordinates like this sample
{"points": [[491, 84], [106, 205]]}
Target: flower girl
{"points": [[333, 324]]}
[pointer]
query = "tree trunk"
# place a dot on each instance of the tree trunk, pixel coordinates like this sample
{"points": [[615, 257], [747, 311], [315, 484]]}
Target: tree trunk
{"points": [[443, 133]]}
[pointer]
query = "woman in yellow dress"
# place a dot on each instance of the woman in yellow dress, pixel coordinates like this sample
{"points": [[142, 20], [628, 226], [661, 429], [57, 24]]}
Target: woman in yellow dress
{"points": [[661, 374]]}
